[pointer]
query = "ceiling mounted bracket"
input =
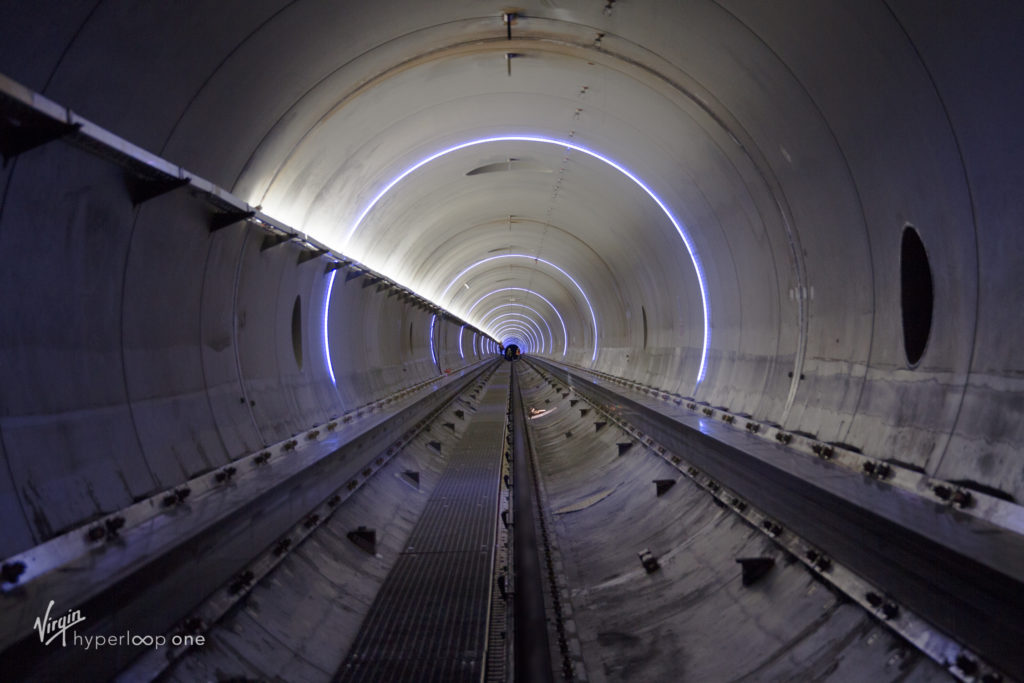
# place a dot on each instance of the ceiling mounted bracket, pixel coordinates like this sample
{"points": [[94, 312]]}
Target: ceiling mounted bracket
{"points": [[144, 190], [228, 218]]}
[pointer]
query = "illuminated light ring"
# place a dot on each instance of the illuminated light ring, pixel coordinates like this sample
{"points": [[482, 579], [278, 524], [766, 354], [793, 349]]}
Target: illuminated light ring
{"points": [[512, 325], [528, 336], [565, 335], [523, 346], [551, 336], [535, 259], [536, 332], [433, 357], [327, 347], [579, 148], [521, 330], [462, 327]]}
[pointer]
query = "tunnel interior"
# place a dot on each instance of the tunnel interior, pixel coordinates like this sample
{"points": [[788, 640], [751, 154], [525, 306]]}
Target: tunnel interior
{"points": [[797, 218]]}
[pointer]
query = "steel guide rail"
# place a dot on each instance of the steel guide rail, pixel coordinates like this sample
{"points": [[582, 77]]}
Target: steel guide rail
{"points": [[558, 598], [429, 619], [64, 549], [81, 566], [202, 619], [533, 647], [964, 663], [498, 656], [968, 501]]}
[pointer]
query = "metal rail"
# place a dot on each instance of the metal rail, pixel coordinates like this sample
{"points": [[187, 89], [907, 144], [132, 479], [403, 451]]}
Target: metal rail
{"points": [[909, 561], [533, 651], [168, 553], [429, 620]]}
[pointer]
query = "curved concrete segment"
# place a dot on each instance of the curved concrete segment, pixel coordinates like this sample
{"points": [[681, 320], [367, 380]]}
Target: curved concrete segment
{"points": [[159, 325]]}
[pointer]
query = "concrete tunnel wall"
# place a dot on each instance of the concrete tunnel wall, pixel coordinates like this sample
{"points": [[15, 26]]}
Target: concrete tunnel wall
{"points": [[153, 351], [139, 349]]}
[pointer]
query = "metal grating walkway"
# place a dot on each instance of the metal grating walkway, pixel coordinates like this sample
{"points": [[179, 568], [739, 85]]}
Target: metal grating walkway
{"points": [[429, 620]]}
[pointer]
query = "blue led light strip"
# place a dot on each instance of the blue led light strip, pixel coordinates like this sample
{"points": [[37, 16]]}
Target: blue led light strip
{"points": [[565, 335], [579, 148]]}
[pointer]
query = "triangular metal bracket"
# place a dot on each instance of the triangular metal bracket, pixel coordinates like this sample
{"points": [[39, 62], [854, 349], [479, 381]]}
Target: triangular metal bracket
{"points": [[364, 539], [754, 568], [271, 241], [18, 139], [663, 485], [223, 219], [310, 254], [144, 190]]}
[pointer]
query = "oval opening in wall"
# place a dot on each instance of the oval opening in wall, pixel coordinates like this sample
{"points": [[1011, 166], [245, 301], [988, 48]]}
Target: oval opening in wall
{"points": [[917, 297], [297, 331]]}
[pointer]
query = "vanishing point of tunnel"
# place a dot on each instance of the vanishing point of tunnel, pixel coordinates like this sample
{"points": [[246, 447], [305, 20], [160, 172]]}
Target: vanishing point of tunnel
{"points": [[568, 340]]}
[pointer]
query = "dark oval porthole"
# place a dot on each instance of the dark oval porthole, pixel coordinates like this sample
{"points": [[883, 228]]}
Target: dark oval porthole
{"points": [[916, 295], [297, 331], [644, 312]]}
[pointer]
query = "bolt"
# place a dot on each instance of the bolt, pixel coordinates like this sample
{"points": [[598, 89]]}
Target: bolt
{"points": [[11, 571], [113, 525], [966, 664], [962, 499]]}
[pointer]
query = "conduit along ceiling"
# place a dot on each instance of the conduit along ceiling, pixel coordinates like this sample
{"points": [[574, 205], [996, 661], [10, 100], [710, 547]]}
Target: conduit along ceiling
{"points": [[261, 257]]}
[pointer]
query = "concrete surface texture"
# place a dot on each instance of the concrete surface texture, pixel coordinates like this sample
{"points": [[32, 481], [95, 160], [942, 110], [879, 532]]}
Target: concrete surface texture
{"points": [[706, 197]]}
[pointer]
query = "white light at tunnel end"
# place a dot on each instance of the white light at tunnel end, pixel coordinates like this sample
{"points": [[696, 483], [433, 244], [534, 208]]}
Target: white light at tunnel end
{"points": [[579, 148]]}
